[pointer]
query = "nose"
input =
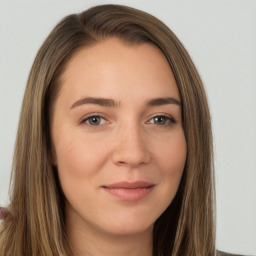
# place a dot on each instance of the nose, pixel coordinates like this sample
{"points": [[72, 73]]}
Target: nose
{"points": [[130, 148]]}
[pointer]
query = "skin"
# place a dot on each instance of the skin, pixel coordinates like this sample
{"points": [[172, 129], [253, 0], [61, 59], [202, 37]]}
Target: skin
{"points": [[126, 143]]}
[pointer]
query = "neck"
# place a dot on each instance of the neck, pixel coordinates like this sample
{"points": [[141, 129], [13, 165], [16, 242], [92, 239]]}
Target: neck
{"points": [[87, 240]]}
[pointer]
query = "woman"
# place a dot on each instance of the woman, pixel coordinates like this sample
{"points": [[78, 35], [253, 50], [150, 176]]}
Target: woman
{"points": [[114, 148]]}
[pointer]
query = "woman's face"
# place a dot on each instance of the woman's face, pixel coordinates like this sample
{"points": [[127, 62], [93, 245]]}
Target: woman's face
{"points": [[117, 132]]}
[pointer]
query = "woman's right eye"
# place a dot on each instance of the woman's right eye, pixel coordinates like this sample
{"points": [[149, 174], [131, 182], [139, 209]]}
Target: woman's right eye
{"points": [[94, 120]]}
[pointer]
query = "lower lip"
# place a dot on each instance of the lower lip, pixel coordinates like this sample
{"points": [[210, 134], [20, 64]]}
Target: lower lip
{"points": [[129, 194]]}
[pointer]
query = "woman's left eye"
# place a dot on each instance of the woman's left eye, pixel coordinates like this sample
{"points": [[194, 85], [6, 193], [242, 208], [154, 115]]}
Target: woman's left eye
{"points": [[94, 120], [162, 120]]}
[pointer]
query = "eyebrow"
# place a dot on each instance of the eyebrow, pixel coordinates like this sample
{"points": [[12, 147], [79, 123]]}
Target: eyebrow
{"points": [[111, 103], [98, 101], [163, 101]]}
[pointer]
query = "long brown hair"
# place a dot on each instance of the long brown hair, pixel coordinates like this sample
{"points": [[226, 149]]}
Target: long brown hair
{"points": [[36, 223]]}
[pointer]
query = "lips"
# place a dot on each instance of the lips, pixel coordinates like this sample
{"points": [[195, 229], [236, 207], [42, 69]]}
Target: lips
{"points": [[129, 191]]}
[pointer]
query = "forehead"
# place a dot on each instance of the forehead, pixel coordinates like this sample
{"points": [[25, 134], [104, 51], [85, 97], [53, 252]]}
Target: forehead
{"points": [[112, 67]]}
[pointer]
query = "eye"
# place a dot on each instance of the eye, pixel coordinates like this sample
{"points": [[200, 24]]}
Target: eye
{"points": [[162, 120], [94, 120]]}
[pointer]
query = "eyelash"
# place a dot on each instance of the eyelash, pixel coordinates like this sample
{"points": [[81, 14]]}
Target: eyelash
{"points": [[84, 120], [169, 120]]}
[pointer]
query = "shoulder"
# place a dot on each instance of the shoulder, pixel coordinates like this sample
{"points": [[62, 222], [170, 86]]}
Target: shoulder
{"points": [[220, 253]]}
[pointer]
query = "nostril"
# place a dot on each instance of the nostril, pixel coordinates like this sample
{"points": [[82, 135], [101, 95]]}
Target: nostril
{"points": [[130, 153]]}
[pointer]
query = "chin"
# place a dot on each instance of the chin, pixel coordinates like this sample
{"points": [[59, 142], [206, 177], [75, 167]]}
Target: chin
{"points": [[126, 229], [128, 223]]}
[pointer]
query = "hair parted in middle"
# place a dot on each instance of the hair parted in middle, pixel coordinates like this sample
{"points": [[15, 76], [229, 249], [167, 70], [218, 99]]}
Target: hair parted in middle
{"points": [[187, 227]]}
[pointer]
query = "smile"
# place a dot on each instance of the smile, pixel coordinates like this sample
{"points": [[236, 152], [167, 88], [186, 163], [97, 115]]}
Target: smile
{"points": [[129, 191]]}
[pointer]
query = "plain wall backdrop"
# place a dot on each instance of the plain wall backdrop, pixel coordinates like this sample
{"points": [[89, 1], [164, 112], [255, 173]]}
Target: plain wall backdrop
{"points": [[220, 37]]}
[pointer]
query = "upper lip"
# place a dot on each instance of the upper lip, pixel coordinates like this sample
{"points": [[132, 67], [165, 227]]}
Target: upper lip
{"points": [[127, 184]]}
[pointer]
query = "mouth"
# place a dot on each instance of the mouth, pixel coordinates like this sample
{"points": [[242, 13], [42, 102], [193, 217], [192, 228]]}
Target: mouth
{"points": [[129, 191]]}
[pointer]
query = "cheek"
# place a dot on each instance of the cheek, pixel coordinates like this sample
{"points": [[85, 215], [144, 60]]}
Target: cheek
{"points": [[77, 154], [172, 159], [79, 162]]}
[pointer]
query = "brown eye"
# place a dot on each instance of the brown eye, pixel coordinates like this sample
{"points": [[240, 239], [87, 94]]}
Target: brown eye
{"points": [[94, 120], [159, 120], [162, 120]]}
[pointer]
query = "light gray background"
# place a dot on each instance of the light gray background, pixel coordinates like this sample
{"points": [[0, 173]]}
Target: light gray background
{"points": [[221, 38]]}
